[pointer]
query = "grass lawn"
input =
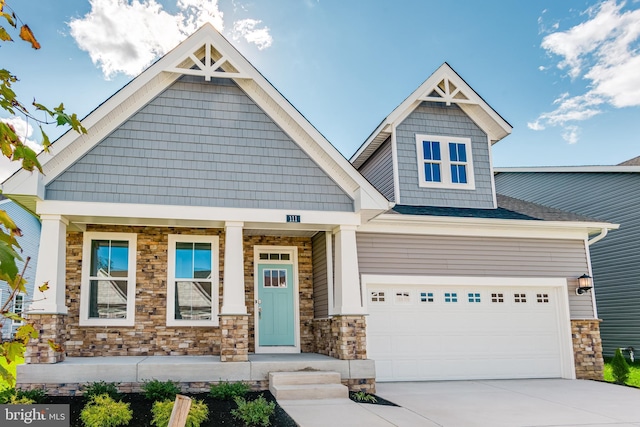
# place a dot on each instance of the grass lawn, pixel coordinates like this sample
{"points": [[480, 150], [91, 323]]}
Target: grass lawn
{"points": [[634, 374]]}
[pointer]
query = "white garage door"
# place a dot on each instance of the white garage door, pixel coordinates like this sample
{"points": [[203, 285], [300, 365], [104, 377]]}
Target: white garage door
{"points": [[465, 332]]}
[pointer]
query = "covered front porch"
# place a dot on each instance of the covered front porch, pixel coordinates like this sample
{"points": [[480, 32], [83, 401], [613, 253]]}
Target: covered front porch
{"points": [[194, 374]]}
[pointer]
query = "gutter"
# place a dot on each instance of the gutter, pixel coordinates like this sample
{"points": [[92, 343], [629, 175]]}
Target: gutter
{"points": [[602, 235]]}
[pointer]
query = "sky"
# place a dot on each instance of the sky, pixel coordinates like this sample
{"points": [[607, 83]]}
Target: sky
{"points": [[564, 74]]}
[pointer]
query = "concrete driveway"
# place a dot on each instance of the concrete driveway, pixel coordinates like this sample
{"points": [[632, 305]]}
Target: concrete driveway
{"points": [[515, 403], [491, 403]]}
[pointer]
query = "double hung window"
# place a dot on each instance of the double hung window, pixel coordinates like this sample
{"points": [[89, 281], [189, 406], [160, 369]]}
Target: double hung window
{"points": [[444, 162]]}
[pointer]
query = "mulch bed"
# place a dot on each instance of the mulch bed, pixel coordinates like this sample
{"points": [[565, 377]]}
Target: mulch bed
{"points": [[219, 410], [379, 400]]}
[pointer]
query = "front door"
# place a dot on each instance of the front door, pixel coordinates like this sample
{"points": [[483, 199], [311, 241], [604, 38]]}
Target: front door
{"points": [[275, 305]]}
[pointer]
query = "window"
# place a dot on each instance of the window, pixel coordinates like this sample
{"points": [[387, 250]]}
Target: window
{"points": [[108, 279], [192, 280], [377, 296], [444, 162], [403, 298], [18, 308], [473, 297], [520, 298], [450, 297], [275, 278], [426, 297], [497, 297], [542, 298]]}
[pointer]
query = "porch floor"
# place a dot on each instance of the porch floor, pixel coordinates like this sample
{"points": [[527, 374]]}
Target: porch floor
{"points": [[186, 369]]}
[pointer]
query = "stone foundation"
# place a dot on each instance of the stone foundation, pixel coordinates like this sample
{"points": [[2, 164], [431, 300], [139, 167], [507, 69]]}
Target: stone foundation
{"points": [[587, 349], [50, 327], [342, 337], [76, 389], [368, 385], [234, 344]]}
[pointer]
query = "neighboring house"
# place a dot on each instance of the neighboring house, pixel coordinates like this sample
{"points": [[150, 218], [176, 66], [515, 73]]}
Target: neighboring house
{"points": [[30, 227], [202, 215], [611, 193]]}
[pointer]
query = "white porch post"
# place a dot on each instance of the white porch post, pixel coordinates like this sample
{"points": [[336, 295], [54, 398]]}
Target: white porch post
{"points": [[233, 282], [51, 266], [347, 276]]}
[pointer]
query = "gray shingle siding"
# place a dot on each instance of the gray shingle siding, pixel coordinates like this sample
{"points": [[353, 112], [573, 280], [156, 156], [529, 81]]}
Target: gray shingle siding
{"points": [[615, 260], [378, 170], [320, 282], [414, 255], [201, 144], [442, 120]]}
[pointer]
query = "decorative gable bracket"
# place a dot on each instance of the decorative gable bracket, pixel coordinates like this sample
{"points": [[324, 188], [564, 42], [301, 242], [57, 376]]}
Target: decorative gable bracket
{"points": [[207, 62], [447, 92]]}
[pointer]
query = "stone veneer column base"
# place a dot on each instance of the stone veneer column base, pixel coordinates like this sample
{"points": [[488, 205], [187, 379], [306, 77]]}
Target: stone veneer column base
{"points": [[342, 337], [587, 349], [50, 327], [234, 344]]}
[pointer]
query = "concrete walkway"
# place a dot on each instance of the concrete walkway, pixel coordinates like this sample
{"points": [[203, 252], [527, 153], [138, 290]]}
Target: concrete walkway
{"points": [[508, 403]]}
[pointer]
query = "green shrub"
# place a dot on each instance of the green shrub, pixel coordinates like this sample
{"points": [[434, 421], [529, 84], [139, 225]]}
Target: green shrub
{"points": [[103, 411], [620, 368], [16, 400], [228, 391], [38, 395], [361, 396], [254, 413], [99, 388], [6, 395], [160, 390], [161, 411]]}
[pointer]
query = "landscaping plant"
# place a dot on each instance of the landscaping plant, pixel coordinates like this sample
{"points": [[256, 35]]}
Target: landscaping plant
{"points": [[160, 390], [228, 391], [255, 412], [620, 368], [103, 411], [98, 388], [364, 397], [161, 411]]}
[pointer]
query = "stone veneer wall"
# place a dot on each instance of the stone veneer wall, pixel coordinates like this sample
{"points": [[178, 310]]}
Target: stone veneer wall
{"points": [[342, 337], [49, 327], [587, 349], [234, 346], [150, 336]]}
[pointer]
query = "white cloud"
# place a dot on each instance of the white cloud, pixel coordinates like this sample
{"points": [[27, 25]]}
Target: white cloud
{"points": [[24, 131], [602, 51], [126, 36], [570, 134], [246, 28]]}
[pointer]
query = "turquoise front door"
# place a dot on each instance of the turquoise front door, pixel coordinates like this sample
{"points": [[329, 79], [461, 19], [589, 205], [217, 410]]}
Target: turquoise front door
{"points": [[275, 305]]}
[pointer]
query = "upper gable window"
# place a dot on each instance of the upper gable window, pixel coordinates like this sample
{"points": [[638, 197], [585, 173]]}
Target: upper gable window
{"points": [[444, 162]]}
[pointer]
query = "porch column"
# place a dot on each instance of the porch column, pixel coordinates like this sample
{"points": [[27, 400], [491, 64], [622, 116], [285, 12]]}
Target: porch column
{"points": [[347, 277], [234, 321], [48, 311], [233, 282], [52, 259]]}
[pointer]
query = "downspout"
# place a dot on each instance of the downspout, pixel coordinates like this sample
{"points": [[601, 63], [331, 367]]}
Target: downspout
{"points": [[602, 235]]}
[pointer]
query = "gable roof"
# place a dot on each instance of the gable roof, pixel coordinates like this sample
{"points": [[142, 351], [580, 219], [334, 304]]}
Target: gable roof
{"points": [[631, 162], [444, 86], [208, 54]]}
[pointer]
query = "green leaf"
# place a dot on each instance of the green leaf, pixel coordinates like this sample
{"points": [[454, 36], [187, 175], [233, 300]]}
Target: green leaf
{"points": [[45, 141], [41, 107], [13, 351], [4, 36], [13, 316], [44, 287], [8, 267], [10, 19], [6, 375], [26, 332], [8, 223]]}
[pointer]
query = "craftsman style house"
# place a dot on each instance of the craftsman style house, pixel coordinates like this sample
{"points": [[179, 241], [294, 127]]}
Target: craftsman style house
{"points": [[202, 215]]}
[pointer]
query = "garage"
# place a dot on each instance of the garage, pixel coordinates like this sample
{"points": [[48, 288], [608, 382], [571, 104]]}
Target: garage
{"points": [[464, 328]]}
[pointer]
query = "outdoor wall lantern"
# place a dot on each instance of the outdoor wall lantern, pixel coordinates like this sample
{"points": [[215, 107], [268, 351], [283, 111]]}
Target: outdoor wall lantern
{"points": [[585, 284]]}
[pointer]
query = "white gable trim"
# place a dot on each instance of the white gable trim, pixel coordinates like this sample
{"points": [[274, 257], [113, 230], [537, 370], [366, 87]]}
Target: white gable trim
{"points": [[456, 91], [117, 109]]}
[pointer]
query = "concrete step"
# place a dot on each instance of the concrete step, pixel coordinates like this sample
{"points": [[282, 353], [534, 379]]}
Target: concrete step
{"points": [[304, 377], [309, 391]]}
